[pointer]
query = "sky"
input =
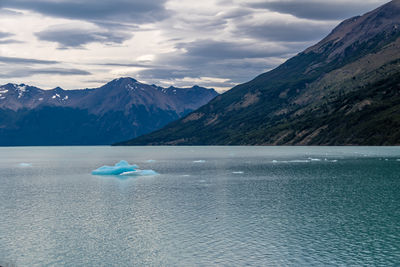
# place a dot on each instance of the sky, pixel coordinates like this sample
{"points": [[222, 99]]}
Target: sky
{"points": [[78, 44]]}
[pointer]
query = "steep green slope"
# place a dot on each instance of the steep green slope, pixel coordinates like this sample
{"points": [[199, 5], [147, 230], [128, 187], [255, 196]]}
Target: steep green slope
{"points": [[344, 90]]}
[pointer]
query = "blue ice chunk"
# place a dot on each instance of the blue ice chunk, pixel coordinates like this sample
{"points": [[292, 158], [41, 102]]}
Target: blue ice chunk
{"points": [[25, 164], [117, 169], [124, 163]]}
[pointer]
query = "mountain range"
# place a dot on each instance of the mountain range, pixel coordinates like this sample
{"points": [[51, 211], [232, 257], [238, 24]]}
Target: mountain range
{"points": [[345, 90], [121, 109]]}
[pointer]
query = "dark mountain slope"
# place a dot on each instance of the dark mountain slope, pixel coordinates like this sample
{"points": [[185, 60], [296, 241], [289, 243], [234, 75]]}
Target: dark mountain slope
{"points": [[344, 90]]}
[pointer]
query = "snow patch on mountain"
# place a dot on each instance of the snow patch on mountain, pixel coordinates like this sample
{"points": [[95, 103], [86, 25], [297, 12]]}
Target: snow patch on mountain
{"points": [[130, 87], [21, 89]]}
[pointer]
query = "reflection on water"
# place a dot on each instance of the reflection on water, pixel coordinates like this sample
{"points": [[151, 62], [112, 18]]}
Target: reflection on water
{"points": [[229, 206]]}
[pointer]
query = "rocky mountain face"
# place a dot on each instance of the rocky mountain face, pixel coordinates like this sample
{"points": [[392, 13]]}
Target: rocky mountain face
{"points": [[345, 90], [121, 109]]}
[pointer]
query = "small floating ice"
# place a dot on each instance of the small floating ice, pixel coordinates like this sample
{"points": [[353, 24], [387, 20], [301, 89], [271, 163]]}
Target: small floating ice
{"points": [[140, 173], [199, 161], [299, 161], [239, 172], [123, 168], [331, 160], [292, 161], [397, 159], [23, 164], [314, 159]]}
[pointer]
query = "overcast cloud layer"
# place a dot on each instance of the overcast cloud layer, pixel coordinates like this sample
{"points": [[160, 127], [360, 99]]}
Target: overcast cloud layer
{"points": [[212, 43]]}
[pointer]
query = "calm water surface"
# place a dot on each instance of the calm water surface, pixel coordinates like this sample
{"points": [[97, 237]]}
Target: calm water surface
{"points": [[223, 206]]}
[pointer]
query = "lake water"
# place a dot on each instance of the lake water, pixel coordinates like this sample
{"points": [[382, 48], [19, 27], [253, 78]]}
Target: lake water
{"points": [[224, 206]]}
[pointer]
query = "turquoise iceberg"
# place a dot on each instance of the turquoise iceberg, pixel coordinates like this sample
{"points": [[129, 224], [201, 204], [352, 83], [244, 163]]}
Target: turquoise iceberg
{"points": [[123, 168], [117, 169]]}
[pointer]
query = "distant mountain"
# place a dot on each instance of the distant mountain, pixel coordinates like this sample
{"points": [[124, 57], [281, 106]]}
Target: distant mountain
{"points": [[345, 90], [16, 97], [116, 111]]}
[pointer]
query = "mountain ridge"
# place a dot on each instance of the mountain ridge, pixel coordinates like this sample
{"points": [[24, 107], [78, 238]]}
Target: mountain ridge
{"points": [[115, 111], [304, 100]]}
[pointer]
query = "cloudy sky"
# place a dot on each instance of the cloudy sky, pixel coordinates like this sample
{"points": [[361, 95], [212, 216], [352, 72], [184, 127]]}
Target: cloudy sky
{"points": [[213, 43]]}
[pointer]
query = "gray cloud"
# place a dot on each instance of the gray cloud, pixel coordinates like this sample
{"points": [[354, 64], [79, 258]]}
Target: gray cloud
{"points": [[78, 37], [133, 11], [210, 58], [236, 40], [139, 65], [205, 24], [59, 71], [26, 72], [319, 10], [7, 12], [11, 41], [236, 13], [167, 73], [18, 60], [217, 50], [214, 58], [285, 31], [5, 35], [231, 71], [117, 26]]}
